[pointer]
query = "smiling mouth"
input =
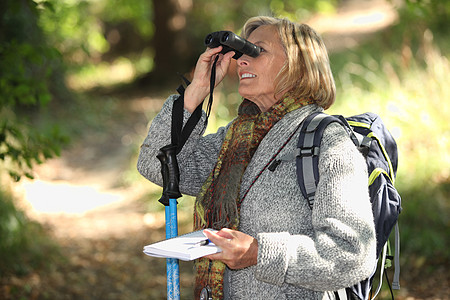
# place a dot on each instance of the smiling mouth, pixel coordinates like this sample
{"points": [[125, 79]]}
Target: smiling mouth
{"points": [[247, 75]]}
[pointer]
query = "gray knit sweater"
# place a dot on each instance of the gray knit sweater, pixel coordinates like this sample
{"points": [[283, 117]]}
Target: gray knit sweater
{"points": [[301, 252]]}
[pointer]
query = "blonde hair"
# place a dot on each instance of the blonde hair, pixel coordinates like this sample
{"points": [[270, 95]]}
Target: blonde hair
{"points": [[306, 73]]}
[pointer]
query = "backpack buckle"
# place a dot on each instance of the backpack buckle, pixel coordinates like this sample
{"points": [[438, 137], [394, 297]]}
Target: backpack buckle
{"points": [[308, 151]]}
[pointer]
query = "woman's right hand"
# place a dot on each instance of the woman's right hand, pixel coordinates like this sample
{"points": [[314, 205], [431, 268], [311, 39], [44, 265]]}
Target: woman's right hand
{"points": [[199, 88]]}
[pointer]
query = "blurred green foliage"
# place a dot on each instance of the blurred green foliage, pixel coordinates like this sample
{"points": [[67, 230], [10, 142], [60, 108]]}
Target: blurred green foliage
{"points": [[23, 244], [26, 65], [433, 14], [79, 29], [89, 32], [410, 97]]}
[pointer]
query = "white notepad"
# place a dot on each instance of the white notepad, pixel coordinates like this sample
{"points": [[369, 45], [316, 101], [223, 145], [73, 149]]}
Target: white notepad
{"points": [[185, 247]]}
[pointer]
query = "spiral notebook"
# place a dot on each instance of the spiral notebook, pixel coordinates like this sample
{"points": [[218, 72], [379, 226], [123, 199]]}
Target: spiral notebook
{"points": [[185, 247]]}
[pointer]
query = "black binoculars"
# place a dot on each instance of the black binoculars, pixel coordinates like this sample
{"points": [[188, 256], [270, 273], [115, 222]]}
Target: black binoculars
{"points": [[231, 42]]}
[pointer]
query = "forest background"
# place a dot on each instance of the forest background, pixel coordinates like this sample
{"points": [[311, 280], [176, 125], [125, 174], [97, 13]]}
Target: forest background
{"points": [[80, 80]]}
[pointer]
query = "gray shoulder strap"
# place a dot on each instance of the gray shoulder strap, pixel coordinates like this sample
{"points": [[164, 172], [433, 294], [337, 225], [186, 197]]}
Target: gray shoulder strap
{"points": [[310, 137]]}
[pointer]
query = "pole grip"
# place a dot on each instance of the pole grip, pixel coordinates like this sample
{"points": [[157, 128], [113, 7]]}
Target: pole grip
{"points": [[170, 174]]}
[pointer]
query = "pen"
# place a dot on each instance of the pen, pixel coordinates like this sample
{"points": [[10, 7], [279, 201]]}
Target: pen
{"points": [[202, 243]]}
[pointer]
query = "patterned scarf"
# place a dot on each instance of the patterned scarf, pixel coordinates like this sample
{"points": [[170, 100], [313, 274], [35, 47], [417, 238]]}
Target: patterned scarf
{"points": [[218, 203]]}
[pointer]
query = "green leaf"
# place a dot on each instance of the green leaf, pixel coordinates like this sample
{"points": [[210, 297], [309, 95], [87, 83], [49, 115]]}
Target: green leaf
{"points": [[15, 176], [44, 98], [29, 175], [48, 5]]}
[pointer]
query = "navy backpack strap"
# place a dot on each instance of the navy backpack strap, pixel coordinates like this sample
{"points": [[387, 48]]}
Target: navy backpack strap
{"points": [[307, 161]]}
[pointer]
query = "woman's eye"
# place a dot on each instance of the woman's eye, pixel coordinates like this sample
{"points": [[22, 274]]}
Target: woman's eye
{"points": [[262, 49]]}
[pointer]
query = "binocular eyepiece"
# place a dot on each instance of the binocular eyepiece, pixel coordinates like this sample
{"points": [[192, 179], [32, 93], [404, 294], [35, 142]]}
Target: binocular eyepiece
{"points": [[231, 42]]}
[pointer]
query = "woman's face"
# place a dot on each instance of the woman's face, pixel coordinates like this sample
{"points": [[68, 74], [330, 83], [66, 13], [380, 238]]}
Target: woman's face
{"points": [[257, 75]]}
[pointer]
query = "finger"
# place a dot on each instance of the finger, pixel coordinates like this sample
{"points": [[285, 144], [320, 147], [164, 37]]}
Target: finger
{"points": [[210, 52], [225, 61], [215, 256], [226, 233], [229, 55], [218, 240]]}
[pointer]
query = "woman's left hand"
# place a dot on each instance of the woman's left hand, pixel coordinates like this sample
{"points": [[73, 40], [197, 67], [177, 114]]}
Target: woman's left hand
{"points": [[239, 250]]}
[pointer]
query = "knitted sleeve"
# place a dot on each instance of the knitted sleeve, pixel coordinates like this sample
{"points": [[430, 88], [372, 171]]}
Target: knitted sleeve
{"points": [[340, 249], [196, 159]]}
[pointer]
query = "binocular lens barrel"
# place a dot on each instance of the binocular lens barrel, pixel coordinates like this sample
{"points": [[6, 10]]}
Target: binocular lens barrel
{"points": [[225, 36], [231, 42], [212, 41]]}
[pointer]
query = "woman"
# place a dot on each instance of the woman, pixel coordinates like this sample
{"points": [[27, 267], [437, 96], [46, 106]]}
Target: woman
{"points": [[274, 246]]}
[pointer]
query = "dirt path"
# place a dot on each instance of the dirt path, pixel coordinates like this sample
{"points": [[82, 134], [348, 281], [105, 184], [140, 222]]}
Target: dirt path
{"points": [[102, 223]]}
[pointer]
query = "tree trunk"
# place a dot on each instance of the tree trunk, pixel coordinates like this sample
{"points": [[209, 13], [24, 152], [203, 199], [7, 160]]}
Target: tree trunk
{"points": [[169, 43]]}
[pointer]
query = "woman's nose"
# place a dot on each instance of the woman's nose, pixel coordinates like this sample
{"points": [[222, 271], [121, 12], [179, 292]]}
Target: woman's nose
{"points": [[243, 60]]}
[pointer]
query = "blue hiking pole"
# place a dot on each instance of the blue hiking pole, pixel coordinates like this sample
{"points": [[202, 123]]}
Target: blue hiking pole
{"points": [[171, 176], [172, 266]]}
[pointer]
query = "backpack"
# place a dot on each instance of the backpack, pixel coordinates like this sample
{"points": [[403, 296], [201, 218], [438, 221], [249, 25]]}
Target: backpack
{"points": [[379, 148], [371, 137]]}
